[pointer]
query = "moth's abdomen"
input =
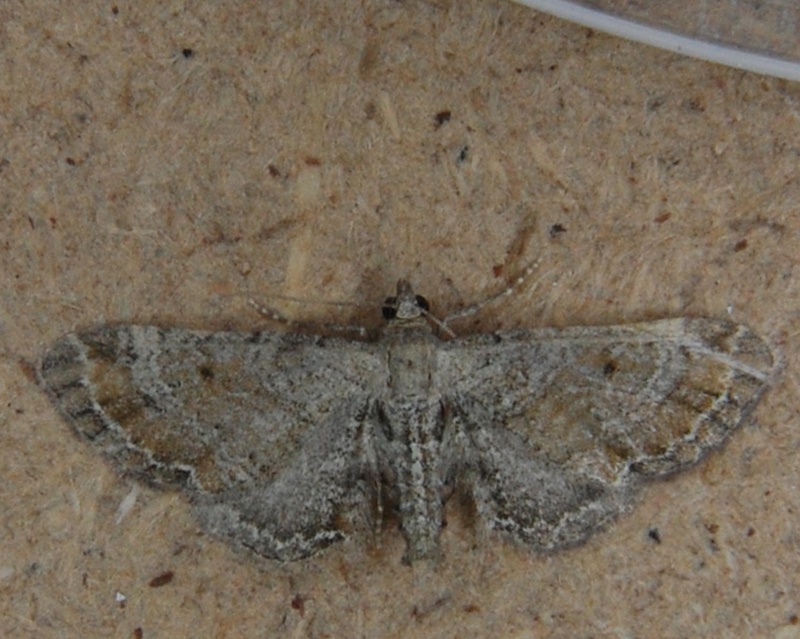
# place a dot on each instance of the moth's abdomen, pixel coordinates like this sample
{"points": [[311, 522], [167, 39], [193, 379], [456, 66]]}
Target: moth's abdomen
{"points": [[410, 447]]}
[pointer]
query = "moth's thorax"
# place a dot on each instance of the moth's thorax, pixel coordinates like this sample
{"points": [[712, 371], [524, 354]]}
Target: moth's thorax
{"points": [[411, 356]]}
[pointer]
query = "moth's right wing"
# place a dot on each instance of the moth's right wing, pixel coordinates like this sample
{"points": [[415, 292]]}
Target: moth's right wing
{"points": [[555, 424]]}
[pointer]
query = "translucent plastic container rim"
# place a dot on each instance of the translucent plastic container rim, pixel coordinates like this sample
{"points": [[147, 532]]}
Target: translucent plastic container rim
{"points": [[728, 55]]}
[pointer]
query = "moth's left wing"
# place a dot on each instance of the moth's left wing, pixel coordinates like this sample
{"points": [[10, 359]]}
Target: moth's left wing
{"points": [[264, 431], [556, 424]]}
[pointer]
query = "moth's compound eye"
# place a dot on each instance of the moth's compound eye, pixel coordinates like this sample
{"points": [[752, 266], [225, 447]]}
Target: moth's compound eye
{"points": [[423, 303], [390, 308]]}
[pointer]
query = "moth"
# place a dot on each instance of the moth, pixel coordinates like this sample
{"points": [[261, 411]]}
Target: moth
{"points": [[288, 442]]}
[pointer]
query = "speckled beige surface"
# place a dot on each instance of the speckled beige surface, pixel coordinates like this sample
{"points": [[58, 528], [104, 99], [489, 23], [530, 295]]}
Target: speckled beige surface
{"points": [[164, 162]]}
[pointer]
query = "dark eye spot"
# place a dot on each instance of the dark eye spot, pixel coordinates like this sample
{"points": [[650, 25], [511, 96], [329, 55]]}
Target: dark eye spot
{"points": [[423, 303], [390, 308]]}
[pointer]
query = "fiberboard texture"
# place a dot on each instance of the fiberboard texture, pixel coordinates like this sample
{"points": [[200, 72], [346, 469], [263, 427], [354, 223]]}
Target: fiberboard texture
{"points": [[165, 163]]}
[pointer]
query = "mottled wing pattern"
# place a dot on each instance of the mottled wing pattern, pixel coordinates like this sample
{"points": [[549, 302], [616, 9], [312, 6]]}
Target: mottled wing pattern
{"points": [[558, 424], [237, 420]]}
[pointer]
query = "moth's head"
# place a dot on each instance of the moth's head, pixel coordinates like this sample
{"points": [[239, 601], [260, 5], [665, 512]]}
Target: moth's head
{"points": [[406, 305]]}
